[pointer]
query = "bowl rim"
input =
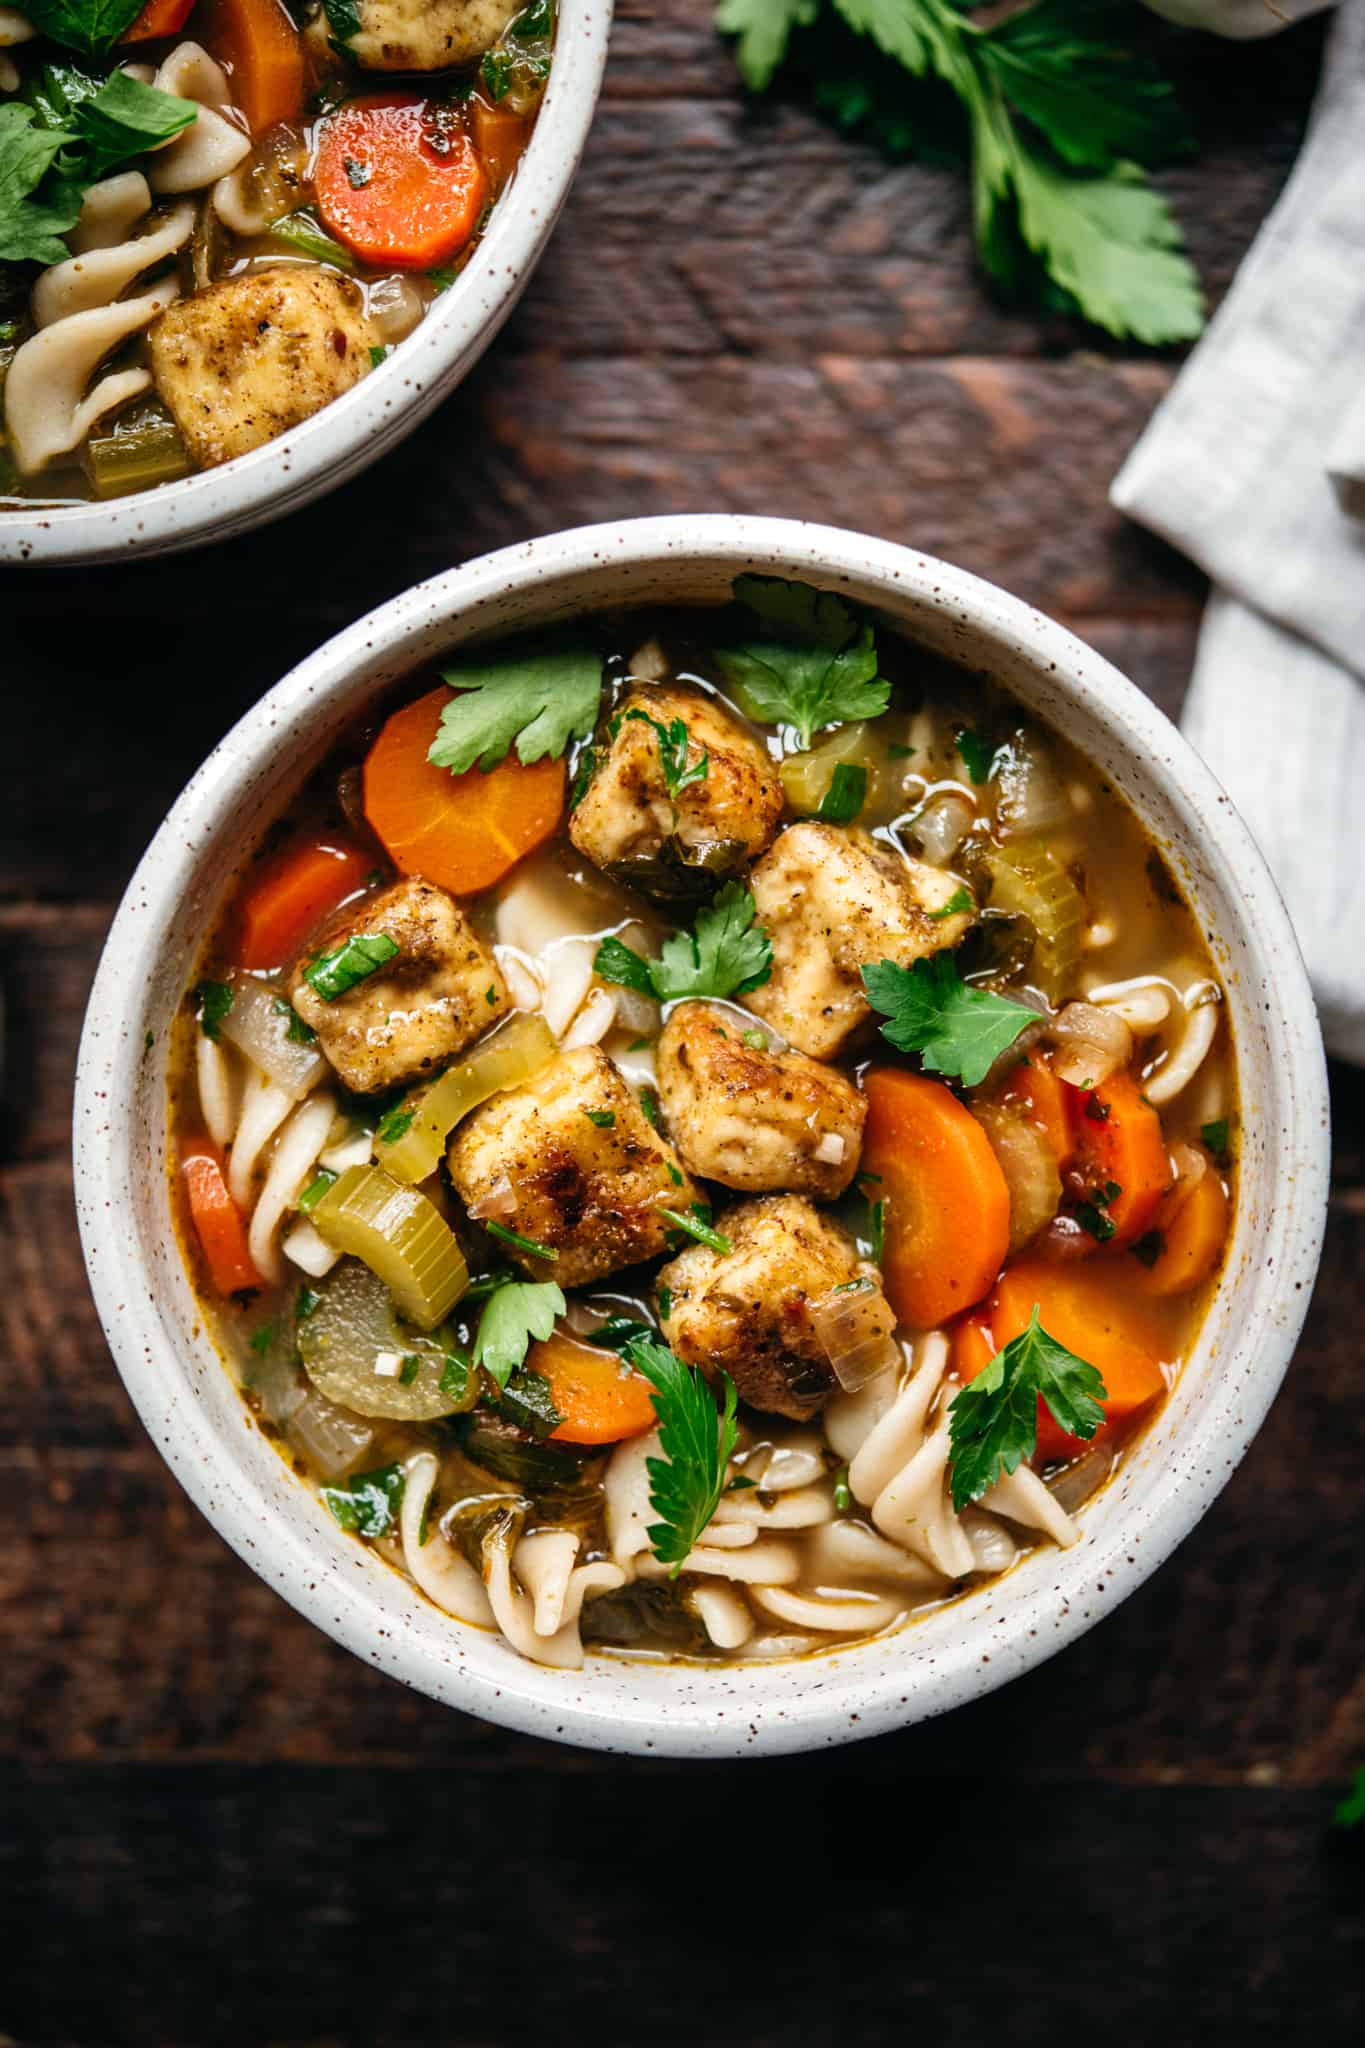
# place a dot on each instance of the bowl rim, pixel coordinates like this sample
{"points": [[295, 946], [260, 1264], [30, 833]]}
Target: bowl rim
{"points": [[354, 430], [839, 1704]]}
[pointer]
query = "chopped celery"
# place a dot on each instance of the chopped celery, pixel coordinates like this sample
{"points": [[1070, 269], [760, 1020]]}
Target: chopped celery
{"points": [[505, 1059], [400, 1236], [132, 455], [1028, 880], [806, 777], [299, 235], [353, 1331]]}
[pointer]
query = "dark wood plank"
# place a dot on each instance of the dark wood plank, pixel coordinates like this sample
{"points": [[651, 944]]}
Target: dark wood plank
{"points": [[852, 1898]]}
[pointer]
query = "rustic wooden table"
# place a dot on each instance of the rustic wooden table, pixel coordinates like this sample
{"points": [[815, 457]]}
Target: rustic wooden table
{"points": [[219, 1827]]}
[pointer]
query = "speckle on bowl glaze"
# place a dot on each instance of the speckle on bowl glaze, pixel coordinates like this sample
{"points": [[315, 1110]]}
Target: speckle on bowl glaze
{"points": [[378, 412], [955, 1653]]}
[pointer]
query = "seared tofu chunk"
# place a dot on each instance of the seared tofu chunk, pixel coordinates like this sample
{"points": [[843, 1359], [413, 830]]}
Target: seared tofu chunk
{"points": [[437, 994], [420, 35], [751, 1118], [749, 1311], [728, 815], [252, 356], [588, 1172], [832, 899]]}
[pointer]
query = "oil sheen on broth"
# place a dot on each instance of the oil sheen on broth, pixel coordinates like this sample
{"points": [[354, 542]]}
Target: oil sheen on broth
{"points": [[415, 1093]]}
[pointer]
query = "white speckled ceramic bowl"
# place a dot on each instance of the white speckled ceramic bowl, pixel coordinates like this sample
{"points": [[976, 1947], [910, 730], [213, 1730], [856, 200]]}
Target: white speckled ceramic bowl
{"points": [[377, 413], [192, 1409]]}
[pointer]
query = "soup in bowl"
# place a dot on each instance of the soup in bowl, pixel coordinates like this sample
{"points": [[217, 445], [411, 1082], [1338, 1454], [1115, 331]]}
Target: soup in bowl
{"points": [[709, 1136]]}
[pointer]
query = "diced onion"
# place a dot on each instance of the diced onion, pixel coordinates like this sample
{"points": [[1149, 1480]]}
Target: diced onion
{"points": [[309, 1252], [260, 1028], [1091, 1043], [941, 826], [636, 1013], [567, 970], [593, 1022], [352, 1150], [333, 1438], [1033, 797], [830, 1150], [499, 1202], [856, 1327], [1030, 1168]]}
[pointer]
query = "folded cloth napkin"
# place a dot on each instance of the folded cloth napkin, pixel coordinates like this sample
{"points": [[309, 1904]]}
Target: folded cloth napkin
{"points": [[1255, 467]]}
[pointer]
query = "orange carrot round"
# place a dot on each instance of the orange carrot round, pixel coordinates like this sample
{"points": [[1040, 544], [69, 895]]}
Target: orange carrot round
{"points": [[1119, 1143], [158, 18], [1036, 1088], [947, 1202], [291, 895], [463, 831], [1193, 1230], [398, 180], [601, 1399], [262, 52], [1081, 1306], [499, 136], [218, 1222]]}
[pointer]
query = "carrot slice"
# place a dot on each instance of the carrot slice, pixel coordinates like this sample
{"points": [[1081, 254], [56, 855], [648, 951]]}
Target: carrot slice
{"points": [[218, 1222], [398, 181], [1193, 1230], [947, 1202], [463, 831], [291, 895], [1119, 1143], [1034, 1085], [262, 52], [158, 18], [601, 1399], [1082, 1308], [500, 136]]}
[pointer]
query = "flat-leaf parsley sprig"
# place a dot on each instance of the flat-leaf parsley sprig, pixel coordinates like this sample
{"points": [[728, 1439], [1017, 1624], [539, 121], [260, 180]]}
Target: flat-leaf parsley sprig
{"points": [[957, 1030], [686, 1484], [993, 1420], [803, 658], [1060, 109], [726, 954]]}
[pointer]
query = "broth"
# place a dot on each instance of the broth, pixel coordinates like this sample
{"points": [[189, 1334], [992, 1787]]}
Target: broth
{"points": [[836, 1519]]}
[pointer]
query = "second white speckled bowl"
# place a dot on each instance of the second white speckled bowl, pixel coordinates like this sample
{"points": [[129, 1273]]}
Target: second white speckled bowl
{"points": [[375, 415], [193, 1411]]}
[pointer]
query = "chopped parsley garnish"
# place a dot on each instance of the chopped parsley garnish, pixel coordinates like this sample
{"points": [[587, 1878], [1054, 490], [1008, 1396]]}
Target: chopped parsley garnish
{"points": [[409, 1369], [378, 351], [978, 752], [876, 1230], [358, 175], [343, 19], [443, 277], [394, 1124], [454, 1380], [726, 954], [673, 743], [993, 1420], [261, 1340], [960, 900], [618, 1331], [296, 1031], [1148, 1248], [363, 954], [316, 1189], [956, 1030], [649, 1104], [808, 661], [696, 1224], [757, 1041], [685, 1485], [528, 1400], [1350, 1811], [1090, 1214], [843, 1492], [603, 1118], [515, 1313], [1097, 1111], [673, 1173], [369, 1504], [539, 698], [215, 1000], [584, 769], [664, 1297], [895, 752], [1218, 1140], [519, 1243], [846, 795], [306, 1302], [490, 996]]}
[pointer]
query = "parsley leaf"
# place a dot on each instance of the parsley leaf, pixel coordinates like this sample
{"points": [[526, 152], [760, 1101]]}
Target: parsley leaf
{"points": [[1216, 1137], [394, 1124], [685, 1485], [977, 752], [846, 795], [334, 974], [124, 118], [215, 1000], [368, 1504], [30, 227], [520, 1243], [764, 29], [90, 26], [960, 900], [696, 1224], [726, 954], [957, 1030], [810, 661], [296, 1031], [343, 19], [673, 741], [541, 697], [993, 1420], [528, 1399], [618, 1331], [515, 1313]]}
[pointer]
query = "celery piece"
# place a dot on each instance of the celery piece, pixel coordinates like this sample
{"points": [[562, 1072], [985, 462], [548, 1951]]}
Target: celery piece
{"points": [[353, 1330], [506, 1058], [299, 235], [134, 455], [1028, 880], [400, 1236]]}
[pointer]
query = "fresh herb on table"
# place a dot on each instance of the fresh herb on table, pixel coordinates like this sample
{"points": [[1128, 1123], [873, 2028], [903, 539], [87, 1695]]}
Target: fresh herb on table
{"points": [[215, 1000], [673, 743], [335, 974], [697, 1223], [957, 1030], [808, 660], [685, 1485], [726, 954], [846, 795], [960, 900], [515, 1313], [541, 697], [370, 1503], [993, 1420], [1058, 108]]}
